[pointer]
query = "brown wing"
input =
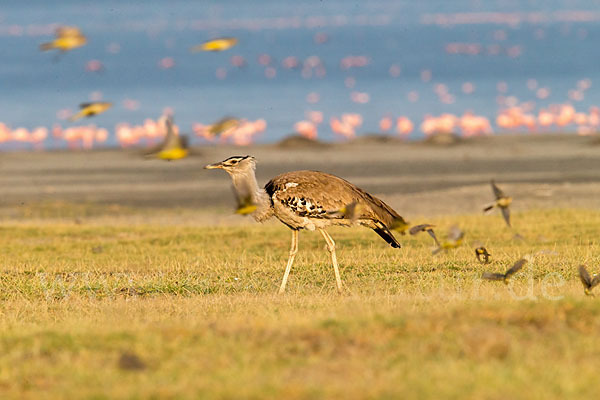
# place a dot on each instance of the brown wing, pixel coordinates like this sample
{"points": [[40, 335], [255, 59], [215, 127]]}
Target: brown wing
{"points": [[497, 192], [223, 124], [171, 140], [420, 228], [425, 228], [493, 276], [435, 239], [313, 193], [516, 267], [506, 215], [585, 277]]}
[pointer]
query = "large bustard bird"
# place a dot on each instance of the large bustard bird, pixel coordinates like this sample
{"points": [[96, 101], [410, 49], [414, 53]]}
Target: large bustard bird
{"points": [[309, 200]]}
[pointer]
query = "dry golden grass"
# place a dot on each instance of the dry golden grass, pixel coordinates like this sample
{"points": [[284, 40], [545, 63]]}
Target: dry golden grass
{"points": [[114, 308]]}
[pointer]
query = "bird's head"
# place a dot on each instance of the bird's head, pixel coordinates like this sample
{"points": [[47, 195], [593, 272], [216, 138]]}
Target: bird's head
{"points": [[235, 165]]}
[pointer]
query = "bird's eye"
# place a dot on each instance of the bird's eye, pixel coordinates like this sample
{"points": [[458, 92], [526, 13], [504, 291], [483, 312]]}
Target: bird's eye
{"points": [[233, 161]]}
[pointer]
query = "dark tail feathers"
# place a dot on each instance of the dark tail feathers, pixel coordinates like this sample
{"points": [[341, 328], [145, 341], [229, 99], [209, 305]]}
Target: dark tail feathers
{"points": [[388, 237]]}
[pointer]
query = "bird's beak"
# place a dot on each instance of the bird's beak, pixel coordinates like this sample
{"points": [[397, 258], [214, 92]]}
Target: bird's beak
{"points": [[214, 166]]}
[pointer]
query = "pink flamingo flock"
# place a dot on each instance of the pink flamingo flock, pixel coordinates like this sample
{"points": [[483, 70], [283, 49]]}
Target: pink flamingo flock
{"points": [[510, 119], [128, 135], [84, 136]]}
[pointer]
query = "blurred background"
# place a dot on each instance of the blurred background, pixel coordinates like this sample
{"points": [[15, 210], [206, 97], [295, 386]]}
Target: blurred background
{"points": [[329, 70]]}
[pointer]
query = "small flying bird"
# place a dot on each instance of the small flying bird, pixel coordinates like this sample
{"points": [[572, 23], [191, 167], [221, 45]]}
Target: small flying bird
{"points": [[350, 212], [453, 240], [245, 207], [219, 44], [223, 125], [91, 109], [67, 38], [482, 255], [243, 196], [300, 200], [425, 228], [173, 146], [496, 276], [588, 282], [502, 202], [131, 362]]}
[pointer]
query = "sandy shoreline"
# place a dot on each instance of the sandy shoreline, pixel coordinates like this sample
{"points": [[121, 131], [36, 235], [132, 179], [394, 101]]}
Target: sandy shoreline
{"points": [[415, 178]]}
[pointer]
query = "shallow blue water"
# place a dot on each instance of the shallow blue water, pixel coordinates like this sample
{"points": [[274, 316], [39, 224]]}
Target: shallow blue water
{"points": [[35, 86]]}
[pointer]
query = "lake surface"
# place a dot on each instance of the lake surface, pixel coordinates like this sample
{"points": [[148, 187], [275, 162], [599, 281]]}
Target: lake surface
{"points": [[469, 51]]}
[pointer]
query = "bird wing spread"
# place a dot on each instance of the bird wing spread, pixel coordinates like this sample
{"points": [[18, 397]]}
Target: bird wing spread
{"points": [[506, 215], [172, 140], [425, 228], [516, 267], [497, 192], [585, 277], [595, 281], [435, 239], [419, 228], [493, 276], [223, 125]]}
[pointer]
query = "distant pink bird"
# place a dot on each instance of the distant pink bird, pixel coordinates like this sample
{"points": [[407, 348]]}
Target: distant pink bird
{"points": [[346, 127], [404, 126], [306, 129], [385, 124], [545, 118], [316, 117]]}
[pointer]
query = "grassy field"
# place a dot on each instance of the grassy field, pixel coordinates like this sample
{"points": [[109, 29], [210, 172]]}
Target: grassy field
{"points": [[118, 306]]}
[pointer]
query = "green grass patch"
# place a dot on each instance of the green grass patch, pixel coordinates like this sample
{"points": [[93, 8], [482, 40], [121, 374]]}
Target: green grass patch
{"points": [[134, 310]]}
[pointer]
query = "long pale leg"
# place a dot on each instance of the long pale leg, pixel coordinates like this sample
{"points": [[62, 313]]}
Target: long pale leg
{"points": [[331, 248], [293, 251]]}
